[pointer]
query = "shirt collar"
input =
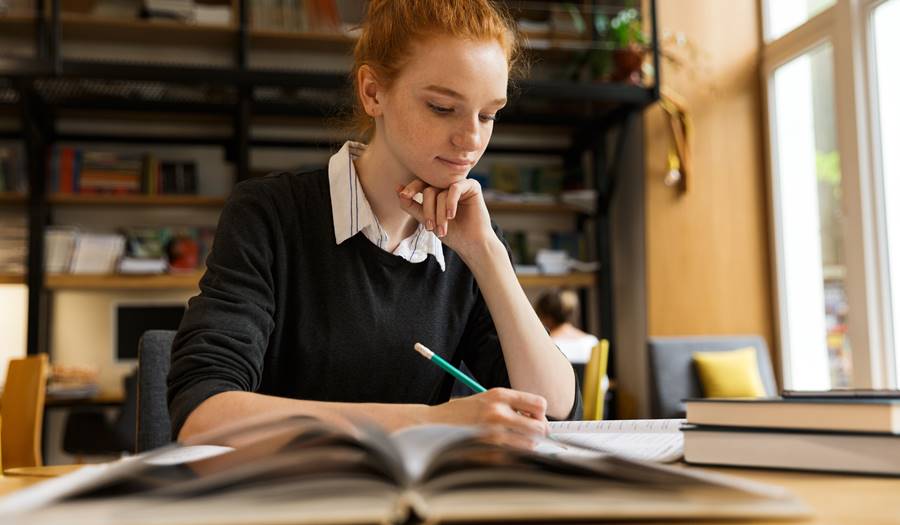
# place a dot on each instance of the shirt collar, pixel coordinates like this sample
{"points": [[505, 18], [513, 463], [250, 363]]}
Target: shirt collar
{"points": [[352, 213]]}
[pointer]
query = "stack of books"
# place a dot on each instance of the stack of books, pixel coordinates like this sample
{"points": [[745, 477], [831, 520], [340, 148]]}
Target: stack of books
{"points": [[206, 14], [169, 9], [69, 250], [145, 252], [315, 16], [74, 170], [134, 250], [13, 244], [833, 432]]}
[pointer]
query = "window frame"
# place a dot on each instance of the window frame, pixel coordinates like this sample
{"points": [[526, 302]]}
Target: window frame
{"points": [[846, 25]]}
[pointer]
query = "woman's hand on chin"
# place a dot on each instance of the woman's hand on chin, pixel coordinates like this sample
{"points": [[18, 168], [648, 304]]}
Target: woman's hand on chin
{"points": [[457, 215]]}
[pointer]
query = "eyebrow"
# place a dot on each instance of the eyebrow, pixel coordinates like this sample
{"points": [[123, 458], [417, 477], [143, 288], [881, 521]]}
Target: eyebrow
{"points": [[450, 93]]}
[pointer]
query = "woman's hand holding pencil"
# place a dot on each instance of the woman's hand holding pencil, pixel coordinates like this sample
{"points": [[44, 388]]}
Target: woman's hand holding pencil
{"points": [[522, 413]]}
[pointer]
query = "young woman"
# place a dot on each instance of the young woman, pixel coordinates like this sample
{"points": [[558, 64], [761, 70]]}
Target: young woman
{"points": [[320, 283]]}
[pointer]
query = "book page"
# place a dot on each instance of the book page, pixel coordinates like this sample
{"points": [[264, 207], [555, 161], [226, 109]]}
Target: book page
{"points": [[418, 445], [658, 440]]}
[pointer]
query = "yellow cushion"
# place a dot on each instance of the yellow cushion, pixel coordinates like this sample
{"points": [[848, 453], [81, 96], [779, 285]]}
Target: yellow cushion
{"points": [[734, 373]]}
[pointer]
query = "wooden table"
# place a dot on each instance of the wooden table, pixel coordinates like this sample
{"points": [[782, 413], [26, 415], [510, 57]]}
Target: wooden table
{"points": [[835, 499], [103, 398]]}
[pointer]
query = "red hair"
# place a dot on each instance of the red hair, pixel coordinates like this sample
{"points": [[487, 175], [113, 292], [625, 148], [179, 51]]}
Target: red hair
{"points": [[392, 26]]}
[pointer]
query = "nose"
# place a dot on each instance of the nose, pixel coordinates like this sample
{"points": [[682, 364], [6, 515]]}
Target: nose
{"points": [[467, 135]]}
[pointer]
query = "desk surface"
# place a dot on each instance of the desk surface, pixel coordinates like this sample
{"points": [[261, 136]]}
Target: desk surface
{"points": [[102, 398], [835, 499]]}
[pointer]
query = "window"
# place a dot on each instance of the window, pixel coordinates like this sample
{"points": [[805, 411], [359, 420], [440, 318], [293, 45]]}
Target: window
{"points": [[832, 87], [784, 15], [809, 194], [886, 47]]}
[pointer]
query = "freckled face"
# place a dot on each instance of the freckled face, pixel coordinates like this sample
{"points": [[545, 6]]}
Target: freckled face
{"points": [[439, 113]]}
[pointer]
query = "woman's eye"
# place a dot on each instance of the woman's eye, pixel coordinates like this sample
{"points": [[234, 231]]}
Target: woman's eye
{"points": [[488, 118], [441, 110]]}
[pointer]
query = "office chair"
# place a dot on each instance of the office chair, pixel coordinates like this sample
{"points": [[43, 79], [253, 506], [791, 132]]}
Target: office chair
{"points": [[88, 431], [153, 426], [673, 377]]}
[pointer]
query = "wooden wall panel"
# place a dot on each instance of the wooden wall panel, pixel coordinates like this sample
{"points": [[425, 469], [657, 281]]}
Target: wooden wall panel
{"points": [[708, 269]]}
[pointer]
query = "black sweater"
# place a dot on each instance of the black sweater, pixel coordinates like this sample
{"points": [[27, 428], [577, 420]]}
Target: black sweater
{"points": [[285, 311]]}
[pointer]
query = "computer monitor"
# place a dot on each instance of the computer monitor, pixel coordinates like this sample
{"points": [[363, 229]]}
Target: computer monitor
{"points": [[131, 320]]}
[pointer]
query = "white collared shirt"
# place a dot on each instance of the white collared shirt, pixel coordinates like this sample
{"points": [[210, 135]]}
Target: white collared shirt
{"points": [[352, 213]]}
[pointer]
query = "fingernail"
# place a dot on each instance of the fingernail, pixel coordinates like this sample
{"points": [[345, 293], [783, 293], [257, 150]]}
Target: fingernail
{"points": [[429, 225], [449, 213], [405, 194], [442, 230]]}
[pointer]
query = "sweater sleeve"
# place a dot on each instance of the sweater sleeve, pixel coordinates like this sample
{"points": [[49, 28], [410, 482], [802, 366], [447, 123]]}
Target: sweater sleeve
{"points": [[481, 350], [223, 336]]}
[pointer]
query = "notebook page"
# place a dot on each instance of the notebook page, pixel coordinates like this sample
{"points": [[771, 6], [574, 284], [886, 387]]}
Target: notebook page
{"points": [[658, 440], [632, 426]]}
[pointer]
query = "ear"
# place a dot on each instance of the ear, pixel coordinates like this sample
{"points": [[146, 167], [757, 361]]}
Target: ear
{"points": [[371, 93]]}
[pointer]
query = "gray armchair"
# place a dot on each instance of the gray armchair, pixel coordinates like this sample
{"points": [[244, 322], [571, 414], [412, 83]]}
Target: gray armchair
{"points": [[153, 426], [672, 374]]}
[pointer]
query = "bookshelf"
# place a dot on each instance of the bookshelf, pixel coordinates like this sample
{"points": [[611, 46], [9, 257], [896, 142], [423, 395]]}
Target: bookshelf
{"points": [[123, 282], [189, 281], [571, 280], [12, 279], [55, 84], [12, 198], [15, 25], [76, 199], [95, 28], [531, 207]]}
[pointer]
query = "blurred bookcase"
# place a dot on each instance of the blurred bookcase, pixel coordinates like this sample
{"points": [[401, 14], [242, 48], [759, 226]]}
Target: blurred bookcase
{"points": [[239, 65]]}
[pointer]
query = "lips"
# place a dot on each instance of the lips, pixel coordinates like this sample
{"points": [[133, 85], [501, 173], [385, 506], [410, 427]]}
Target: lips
{"points": [[460, 163]]}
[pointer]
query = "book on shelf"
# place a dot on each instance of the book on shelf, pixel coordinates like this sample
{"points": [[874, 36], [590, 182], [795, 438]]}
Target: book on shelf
{"points": [[860, 435], [59, 245], [312, 16], [12, 171], [135, 250], [140, 266], [182, 10], [300, 470], [16, 7], [13, 243], [207, 14], [96, 253], [80, 171]]}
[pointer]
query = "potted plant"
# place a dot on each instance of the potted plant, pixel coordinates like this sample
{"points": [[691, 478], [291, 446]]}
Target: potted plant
{"points": [[620, 56], [628, 36]]}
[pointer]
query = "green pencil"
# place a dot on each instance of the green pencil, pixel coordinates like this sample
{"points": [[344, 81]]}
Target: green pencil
{"points": [[468, 381], [450, 369]]}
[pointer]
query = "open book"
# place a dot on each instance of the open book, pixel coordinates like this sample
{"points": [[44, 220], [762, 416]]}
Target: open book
{"points": [[300, 470], [642, 439]]}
